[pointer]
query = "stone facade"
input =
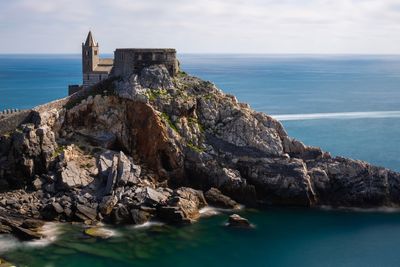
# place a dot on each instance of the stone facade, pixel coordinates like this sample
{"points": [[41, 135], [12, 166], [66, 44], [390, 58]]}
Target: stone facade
{"points": [[94, 69], [128, 61]]}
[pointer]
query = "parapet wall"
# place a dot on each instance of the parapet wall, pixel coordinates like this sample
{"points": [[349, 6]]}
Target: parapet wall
{"points": [[11, 121], [128, 61]]}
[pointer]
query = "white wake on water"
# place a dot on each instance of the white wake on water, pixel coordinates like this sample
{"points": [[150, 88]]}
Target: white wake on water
{"points": [[50, 231], [148, 225], [339, 115]]}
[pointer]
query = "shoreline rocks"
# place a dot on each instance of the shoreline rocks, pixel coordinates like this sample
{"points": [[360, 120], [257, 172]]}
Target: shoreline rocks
{"points": [[157, 147]]}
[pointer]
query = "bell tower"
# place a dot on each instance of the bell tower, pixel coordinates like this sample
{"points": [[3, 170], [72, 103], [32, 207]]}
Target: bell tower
{"points": [[90, 54]]}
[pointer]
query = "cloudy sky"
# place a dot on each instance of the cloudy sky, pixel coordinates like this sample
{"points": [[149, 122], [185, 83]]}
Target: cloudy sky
{"points": [[230, 26]]}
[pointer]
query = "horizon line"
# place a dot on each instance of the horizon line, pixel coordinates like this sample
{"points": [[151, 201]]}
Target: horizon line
{"points": [[220, 53]]}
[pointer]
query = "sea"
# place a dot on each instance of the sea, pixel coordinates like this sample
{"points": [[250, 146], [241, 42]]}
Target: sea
{"points": [[348, 105]]}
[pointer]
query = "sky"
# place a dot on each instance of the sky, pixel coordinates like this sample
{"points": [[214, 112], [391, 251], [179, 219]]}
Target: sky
{"points": [[203, 26]]}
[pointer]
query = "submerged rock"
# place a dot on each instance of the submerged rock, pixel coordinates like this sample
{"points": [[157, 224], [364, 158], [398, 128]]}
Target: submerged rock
{"points": [[98, 232], [4, 263], [239, 222]]}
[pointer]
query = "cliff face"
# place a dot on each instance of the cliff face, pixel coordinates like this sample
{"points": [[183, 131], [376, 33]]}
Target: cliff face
{"points": [[132, 148]]}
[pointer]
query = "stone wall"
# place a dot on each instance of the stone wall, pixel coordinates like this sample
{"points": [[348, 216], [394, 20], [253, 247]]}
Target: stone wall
{"points": [[9, 122], [128, 61], [90, 79], [72, 89]]}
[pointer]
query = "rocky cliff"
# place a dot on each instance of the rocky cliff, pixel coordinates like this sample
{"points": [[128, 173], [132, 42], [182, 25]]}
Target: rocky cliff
{"points": [[147, 146]]}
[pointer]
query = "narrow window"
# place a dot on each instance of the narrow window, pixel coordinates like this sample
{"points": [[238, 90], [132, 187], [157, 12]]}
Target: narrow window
{"points": [[100, 77], [95, 52], [87, 77]]}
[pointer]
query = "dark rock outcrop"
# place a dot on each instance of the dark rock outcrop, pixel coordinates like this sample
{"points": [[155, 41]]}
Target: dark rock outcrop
{"points": [[148, 145]]}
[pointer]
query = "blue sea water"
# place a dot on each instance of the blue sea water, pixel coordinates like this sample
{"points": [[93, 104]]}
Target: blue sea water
{"points": [[348, 105]]}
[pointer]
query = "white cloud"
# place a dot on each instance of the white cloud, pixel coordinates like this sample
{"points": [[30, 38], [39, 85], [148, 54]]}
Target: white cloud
{"points": [[259, 26]]}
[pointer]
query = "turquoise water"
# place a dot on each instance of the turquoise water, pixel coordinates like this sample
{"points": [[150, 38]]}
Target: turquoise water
{"points": [[336, 85], [287, 237]]}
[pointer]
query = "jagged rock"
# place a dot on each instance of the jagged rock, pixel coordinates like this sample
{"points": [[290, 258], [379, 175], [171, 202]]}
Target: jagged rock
{"points": [[25, 234], [37, 183], [140, 216], [216, 198], [107, 204], [119, 170], [183, 206], [86, 213], [154, 197], [131, 89], [51, 212], [72, 176], [112, 176], [128, 173], [121, 215], [237, 221], [15, 225], [105, 162], [155, 77], [32, 224], [57, 207]]}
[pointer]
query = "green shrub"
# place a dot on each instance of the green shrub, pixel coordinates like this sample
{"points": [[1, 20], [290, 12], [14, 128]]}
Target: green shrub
{"points": [[195, 148], [168, 120]]}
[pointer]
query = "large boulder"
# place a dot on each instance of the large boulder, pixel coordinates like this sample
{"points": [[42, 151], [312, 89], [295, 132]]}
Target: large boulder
{"points": [[155, 77], [118, 169], [184, 206], [215, 198]]}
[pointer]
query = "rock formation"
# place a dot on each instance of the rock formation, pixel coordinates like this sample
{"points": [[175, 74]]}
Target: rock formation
{"points": [[146, 146]]}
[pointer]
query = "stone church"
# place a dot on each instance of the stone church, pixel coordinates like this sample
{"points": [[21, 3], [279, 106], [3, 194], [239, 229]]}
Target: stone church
{"points": [[126, 62]]}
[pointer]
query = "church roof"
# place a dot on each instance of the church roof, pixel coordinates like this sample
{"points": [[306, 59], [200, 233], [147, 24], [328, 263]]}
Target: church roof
{"points": [[90, 40]]}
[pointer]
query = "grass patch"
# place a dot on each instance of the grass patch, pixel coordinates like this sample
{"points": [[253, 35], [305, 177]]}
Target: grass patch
{"points": [[195, 148], [168, 120], [182, 74], [209, 96], [154, 94], [57, 152], [195, 121]]}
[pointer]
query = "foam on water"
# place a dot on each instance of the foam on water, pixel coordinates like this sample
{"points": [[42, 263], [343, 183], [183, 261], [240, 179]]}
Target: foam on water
{"points": [[339, 115], [212, 211], [148, 225], [50, 231], [209, 211]]}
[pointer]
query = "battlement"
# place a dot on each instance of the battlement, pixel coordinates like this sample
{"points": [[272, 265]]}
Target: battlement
{"points": [[7, 112], [133, 60], [12, 118]]}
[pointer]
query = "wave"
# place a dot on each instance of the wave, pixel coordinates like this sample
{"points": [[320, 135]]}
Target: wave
{"points": [[339, 115]]}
